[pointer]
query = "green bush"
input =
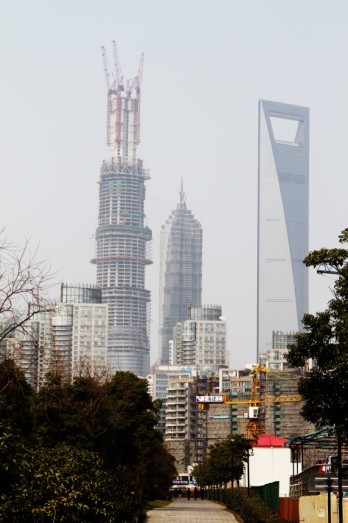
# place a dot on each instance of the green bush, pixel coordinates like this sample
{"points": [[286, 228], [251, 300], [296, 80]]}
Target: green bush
{"points": [[250, 508], [69, 484]]}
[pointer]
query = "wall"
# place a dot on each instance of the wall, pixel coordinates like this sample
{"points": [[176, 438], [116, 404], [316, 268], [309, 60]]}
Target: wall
{"points": [[269, 464], [314, 509]]}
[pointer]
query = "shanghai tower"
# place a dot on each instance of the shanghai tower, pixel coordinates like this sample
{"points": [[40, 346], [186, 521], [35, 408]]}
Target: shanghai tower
{"points": [[122, 236], [180, 271]]}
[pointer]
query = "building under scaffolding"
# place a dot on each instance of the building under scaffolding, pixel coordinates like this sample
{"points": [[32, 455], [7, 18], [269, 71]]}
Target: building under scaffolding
{"points": [[186, 428], [122, 238], [263, 402]]}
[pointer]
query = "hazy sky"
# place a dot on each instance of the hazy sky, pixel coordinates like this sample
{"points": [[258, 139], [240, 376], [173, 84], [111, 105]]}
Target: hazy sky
{"points": [[206, 66]]}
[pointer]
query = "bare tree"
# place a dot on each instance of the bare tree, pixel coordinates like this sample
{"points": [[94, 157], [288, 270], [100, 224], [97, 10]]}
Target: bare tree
{"points": [[24, 284]]}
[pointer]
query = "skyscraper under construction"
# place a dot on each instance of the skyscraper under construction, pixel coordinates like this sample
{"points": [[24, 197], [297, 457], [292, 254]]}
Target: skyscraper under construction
{"points": [[122, 239]]}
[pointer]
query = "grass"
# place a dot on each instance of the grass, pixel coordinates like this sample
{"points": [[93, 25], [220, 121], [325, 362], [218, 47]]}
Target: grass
{"points": [[156, 503]]}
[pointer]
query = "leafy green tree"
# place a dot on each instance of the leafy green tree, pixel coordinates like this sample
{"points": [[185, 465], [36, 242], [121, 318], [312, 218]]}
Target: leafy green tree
{"points": [[225, 462], [204, 473], [117, 419], [110, 427], [75, 413], [156, 469], [15, 397], [132, 415], [69, 484], [325, 341]]}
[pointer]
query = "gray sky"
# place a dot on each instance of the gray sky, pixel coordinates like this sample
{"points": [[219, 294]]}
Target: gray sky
{"points": [[206, 66]]}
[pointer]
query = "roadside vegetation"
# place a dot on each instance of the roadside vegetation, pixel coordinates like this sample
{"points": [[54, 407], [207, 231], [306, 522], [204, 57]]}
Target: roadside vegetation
{"points": [[82, 451], [224, 463], [248, 507], [86, 451]]}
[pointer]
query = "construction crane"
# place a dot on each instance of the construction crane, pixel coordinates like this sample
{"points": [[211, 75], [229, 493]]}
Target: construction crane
{"points": [[118, 77], [256, 402], [136, 83], [255, 426], [115, 86]]}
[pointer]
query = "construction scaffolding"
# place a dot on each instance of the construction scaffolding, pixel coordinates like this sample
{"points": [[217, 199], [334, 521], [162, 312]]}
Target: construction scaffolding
{"points": [[268, 402]]}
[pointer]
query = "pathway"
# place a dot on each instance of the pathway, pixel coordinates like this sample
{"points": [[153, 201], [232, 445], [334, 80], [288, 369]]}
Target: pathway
{"points": [[191, 511]]}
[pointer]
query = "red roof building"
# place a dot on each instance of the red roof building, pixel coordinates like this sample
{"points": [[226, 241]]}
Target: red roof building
{"points": [[268, 440]]}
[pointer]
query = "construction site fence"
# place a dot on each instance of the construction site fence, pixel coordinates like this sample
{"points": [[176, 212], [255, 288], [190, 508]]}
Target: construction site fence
{"points": [[269, 493], [289, 509]]}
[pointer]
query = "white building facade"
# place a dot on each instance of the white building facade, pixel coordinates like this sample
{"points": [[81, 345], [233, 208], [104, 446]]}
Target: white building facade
{"points": [[201, 340], [70, 339]]}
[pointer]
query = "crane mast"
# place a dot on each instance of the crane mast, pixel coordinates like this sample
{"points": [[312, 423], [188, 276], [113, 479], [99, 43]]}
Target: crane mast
{"points": [[256, 402], [123, 111]]}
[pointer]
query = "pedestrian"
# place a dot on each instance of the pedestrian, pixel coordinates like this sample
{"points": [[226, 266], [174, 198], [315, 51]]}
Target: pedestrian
{"points": [[195, 492], [175, 493], [202, 493], [188, 494]]}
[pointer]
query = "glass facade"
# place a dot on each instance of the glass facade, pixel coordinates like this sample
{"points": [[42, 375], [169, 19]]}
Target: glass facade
{"points": [[80, 293], [282, 282], [180, 272], [208, 312]]}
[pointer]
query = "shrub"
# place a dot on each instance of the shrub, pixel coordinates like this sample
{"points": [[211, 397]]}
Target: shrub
{"points": [[250, 508]]}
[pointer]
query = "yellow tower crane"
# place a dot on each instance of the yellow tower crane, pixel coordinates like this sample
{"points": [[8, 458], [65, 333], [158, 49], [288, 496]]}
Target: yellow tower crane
{"points": [[257, 401]]}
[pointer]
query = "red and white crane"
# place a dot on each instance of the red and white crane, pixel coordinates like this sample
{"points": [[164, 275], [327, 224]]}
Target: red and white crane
{"points": [[120, 137]]}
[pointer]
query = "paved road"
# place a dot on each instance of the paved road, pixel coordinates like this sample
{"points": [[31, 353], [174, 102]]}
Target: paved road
{"points": [[191, 511]]}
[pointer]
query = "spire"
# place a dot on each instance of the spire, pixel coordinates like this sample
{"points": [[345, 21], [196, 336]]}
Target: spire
{"points": [[182, 202]]}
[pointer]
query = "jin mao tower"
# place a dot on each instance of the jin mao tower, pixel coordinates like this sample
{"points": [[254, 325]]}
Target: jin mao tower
{"points": [[180, 271], [122, 238]]}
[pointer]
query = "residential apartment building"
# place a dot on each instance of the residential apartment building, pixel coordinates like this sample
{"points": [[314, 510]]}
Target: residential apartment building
{"points": [[69, 339], [201, 339]]}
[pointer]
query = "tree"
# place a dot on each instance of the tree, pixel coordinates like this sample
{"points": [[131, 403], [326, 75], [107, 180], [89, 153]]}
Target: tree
{"points": [[69, 484], [24, 284], [117, 419], [155, 469], [225, 462], [325, 341], [72, 413], [132, 417], [15, 398]]}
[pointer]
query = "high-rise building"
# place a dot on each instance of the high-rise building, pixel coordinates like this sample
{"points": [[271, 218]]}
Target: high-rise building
{"points": [[282, 281], [69, 339], [122, 238], [180, 271], [159, 379], [201, 339], [185, 423], [81, 320], [275, 358]]}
